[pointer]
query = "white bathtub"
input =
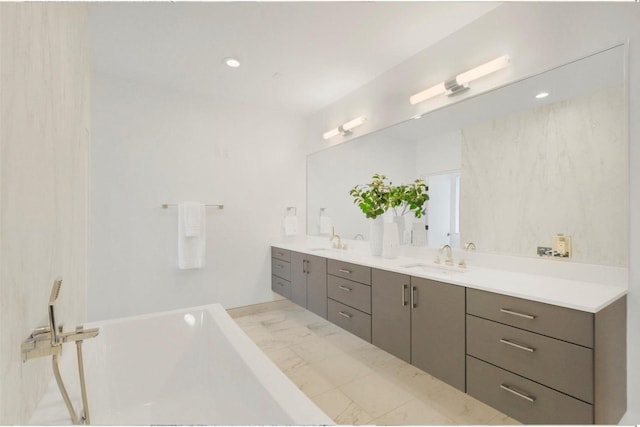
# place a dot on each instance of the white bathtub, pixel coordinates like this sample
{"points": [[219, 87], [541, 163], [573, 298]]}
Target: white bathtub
{"points": [[191, 366]]}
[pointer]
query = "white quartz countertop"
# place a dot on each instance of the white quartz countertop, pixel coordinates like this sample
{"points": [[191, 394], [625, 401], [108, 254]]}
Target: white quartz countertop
{"points": [[575, 294]]}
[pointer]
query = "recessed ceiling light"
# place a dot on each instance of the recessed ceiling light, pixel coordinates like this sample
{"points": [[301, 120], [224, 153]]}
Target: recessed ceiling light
{"points": [[232, 62], [542, 95]]}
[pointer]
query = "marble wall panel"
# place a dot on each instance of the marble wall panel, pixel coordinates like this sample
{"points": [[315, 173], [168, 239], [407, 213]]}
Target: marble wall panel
{"points": [[561, 168], [44, 149]]}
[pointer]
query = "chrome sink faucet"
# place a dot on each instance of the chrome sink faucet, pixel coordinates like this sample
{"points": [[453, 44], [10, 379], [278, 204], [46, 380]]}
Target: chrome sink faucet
{"points": [[469, 246], [48, 340], [334, 236], [449, 260]]}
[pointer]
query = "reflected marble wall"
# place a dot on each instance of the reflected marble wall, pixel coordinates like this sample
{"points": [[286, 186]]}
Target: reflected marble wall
{"points": [[561, 168], [44, 146]]}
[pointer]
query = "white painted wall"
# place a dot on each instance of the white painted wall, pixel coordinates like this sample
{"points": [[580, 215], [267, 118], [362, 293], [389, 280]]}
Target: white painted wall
{"points": [[153, 146], [538, 36], [439, 154], [44, 153]]}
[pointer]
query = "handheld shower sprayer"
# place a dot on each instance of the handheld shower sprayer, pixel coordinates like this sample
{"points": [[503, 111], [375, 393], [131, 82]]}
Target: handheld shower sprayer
{"points": [[53, 327]]}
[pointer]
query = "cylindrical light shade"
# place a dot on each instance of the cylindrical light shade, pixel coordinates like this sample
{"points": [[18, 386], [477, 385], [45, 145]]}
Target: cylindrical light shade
{"points": [[330, 134], [353, 123], [483, 70], [429, 93], [345, 128]]}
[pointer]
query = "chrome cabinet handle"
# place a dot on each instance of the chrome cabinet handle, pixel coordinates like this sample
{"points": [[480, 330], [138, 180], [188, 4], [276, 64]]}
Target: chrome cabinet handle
{"points": [[345, 271], [343, 314], [404, 295], [517, 393], [515, 313], [414, 299], [304, 266], [308, 270], [344, 288], [519, 346]]}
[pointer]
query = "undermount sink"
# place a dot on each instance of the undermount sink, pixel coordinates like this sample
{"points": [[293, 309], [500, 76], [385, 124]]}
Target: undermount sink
{"points": [[326, 250], [435, 268]]}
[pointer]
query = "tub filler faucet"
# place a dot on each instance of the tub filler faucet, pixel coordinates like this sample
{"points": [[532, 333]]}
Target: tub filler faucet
{"points": [[47, 341]]}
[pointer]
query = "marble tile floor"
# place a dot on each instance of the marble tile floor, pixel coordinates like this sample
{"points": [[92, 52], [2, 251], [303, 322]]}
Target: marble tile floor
{"points": [[351, 380]]}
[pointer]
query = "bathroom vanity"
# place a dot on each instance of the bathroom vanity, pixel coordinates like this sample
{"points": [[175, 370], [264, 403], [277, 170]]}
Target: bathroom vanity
{"points": [[541, 349]]}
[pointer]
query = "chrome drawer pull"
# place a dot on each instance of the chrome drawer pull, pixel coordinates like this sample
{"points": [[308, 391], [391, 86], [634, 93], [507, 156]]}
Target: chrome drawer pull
{"points": [[344, 288], [343, 314], [517, 393], [404, 295], [515, 313], [345, 271], [414, 299], [521, 347]]}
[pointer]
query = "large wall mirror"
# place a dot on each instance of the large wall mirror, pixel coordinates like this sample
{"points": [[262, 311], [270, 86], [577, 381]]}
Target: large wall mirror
{"points": [[507, 169]]}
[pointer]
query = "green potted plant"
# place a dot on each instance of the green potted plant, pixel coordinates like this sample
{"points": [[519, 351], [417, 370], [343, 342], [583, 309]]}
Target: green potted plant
{"points": [[380, 196]]}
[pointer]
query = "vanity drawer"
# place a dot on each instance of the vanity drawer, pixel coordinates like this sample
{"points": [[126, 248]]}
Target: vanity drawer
{"points": [[281, 269], [281, 286], [281, 254], [557, 364], [350, 293], [358, 273], [563, 323], [350, 319], [491, 385]]}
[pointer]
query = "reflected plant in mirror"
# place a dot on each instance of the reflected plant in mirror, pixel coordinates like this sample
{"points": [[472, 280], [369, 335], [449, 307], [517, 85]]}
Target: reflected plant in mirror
{"points": [[410, 198]]}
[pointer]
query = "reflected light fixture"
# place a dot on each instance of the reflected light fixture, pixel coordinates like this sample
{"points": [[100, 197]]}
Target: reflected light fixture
{"points": [[232, 62], [461, 82], [542, 95], [345, 128]]}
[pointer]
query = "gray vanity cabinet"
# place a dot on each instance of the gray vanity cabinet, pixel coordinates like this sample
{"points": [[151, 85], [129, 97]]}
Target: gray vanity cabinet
{"points": [[422, 322], [281, 272], [391, 313], [438, 330], [309, 282], [543, 364]]}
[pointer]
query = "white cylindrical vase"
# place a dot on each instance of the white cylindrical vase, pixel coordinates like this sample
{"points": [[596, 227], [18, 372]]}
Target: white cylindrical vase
{"points": [[390, 240], [375, 236]]}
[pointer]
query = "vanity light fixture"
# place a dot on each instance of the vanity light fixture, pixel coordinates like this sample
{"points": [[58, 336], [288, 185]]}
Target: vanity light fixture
{"points": [[461, 82], [542, 95], [345, 128]]}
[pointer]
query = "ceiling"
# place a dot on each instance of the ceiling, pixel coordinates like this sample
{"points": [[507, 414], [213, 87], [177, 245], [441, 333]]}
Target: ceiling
{"points": [[296, 56]]}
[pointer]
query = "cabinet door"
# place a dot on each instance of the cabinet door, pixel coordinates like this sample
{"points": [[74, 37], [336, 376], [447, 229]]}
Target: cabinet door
{"points": [[317, 285], [438, 330], [298, 279], [391, 313]]}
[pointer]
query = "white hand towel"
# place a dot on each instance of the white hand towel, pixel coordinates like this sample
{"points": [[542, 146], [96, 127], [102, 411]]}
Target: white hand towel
{"points": [[192, 218], [325, 224], [191, 248], [290, 224]]}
